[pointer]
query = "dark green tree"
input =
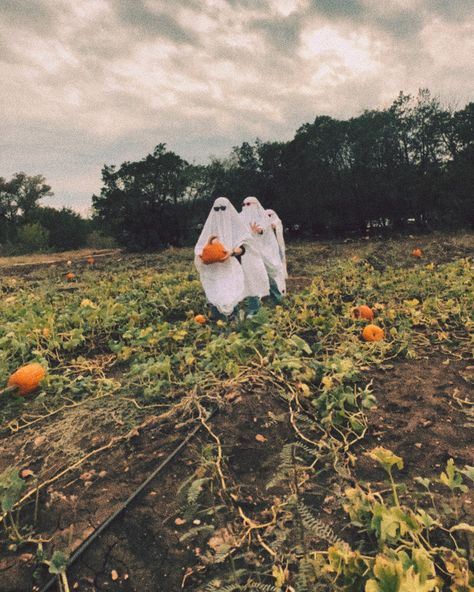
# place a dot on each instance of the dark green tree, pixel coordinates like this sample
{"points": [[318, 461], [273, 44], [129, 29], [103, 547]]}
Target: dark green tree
{"points": [[19, 199], [457, 204], [28, 190], [66, 228], [409, 163], [140, 201]]}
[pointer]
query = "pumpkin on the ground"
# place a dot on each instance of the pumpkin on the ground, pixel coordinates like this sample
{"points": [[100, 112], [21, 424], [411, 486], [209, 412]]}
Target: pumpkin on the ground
{"points": [[416, 253], [373, 333], [213, 252], [70, 276], [363, 312], [201, 319], [27, 378]]}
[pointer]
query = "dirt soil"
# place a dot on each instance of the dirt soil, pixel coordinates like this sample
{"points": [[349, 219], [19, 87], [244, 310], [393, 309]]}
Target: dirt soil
{"points": [[419, 415], [78, 503], [145, 543], [41, 259], [425, 415], [142, 545]]}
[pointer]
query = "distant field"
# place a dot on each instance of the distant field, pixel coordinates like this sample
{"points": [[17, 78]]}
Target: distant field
{"points": [[323, 462], [50, 258]]}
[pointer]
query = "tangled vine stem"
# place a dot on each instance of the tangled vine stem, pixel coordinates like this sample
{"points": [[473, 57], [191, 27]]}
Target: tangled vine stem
{"points": [[219, 460], [68, 469], [75, 465], [251, 525], [295, 398], [63, 582], [15, 427]]}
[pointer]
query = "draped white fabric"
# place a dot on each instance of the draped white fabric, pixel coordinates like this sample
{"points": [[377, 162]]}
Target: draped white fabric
{"points": [[255, 275], [278, 224], [266, 243], [226, 225], [223, 282]]}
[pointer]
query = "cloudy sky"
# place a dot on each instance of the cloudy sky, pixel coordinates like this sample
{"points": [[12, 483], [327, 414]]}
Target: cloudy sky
{"points": [[88, 82]]}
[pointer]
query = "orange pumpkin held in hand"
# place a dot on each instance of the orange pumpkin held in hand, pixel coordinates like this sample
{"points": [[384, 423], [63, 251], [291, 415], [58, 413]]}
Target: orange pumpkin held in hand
{"points": [[363, 312], [213, 252], [70, 276], [201, 319], [27, 378], [372, 333], [416, 253]]}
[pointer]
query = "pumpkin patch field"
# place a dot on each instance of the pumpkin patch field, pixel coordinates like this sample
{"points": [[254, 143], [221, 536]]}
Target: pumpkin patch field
{"points": [[319, 453]]}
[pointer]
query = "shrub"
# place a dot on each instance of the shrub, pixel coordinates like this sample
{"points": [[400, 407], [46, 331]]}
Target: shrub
{"points": [[32, 237], [98, 240], [67, 230]]}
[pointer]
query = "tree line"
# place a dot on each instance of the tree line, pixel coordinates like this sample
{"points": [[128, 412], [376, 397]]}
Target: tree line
{"points": [[26, 226], [410, 164]]}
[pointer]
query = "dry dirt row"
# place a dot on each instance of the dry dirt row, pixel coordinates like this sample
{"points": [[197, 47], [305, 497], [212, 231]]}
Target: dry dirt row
{"points": [[418, 416]]}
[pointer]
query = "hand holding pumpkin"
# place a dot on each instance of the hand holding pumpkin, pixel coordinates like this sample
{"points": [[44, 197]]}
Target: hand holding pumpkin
{"points": [[214, 252]]}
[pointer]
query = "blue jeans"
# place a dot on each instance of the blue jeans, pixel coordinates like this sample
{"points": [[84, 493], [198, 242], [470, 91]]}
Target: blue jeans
{"points": [[252, 305], [275, 293]]}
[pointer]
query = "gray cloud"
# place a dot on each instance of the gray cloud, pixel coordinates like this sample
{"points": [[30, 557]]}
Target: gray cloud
{"points": [[353, 9], [282, 33], [454, 10], [396, 19], [151, 23], [104, 81], [31, 13]]}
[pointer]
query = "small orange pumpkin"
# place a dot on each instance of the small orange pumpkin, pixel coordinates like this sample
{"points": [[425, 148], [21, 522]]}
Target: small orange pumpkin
{"points": [[373, 333], [363, 312], [70, 276], [90, 260], [416, 253], [213, 252], [201, 319], [27, 378]]}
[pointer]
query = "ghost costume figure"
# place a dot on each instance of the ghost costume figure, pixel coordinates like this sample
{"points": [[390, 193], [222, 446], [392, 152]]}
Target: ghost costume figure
{"points": [[258, 221], [256, 281], [277, 226], [223, 281]]}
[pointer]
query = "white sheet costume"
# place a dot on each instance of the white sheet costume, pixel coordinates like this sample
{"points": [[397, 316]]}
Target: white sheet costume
{"points": [[278, 224], [266, 242], [223, 282]]}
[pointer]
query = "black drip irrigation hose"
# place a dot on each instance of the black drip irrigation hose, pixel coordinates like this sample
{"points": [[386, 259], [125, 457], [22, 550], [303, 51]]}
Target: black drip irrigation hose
{"points": [[89, 540]]}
